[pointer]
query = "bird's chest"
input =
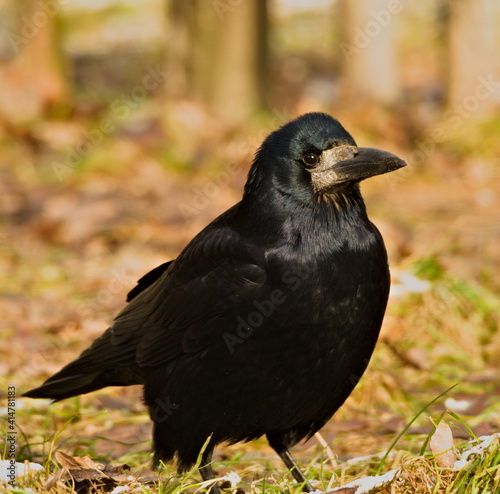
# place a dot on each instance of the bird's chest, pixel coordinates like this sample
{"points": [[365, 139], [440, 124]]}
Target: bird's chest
{"points": [[323, 310], [335, 291], [321, 328]]}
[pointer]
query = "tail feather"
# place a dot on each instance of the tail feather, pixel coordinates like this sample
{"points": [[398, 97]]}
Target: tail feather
{"points": [[100, 365], [66, 387]]}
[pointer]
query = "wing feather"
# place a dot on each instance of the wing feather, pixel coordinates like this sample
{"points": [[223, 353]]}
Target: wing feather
{"points": [[194, 301]]}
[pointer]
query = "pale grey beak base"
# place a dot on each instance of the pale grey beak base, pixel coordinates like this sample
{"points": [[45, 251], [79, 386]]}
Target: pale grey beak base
{"points": [[350, 163]]}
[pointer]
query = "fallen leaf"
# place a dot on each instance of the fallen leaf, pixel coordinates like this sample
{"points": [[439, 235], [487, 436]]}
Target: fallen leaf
{"points": [[76, 462], [442, 446], [87, 474]]}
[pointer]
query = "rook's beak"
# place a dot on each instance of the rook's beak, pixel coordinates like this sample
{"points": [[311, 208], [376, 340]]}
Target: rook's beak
{"points": [[352, 163]]}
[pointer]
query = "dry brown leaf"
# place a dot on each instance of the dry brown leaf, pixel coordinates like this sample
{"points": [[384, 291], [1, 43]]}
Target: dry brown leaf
{"points": [[442, 446], [84, 472], [76, 462]]}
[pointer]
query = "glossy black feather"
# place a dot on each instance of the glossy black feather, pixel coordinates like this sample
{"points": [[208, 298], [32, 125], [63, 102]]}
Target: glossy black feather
{"points": [[147, 280], [264, 323]]}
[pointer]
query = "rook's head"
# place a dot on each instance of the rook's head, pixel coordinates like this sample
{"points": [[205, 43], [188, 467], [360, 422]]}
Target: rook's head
{"points": [[314, 156]]}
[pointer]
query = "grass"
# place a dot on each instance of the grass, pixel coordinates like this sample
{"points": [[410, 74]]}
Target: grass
{"points": [[417, 474]]}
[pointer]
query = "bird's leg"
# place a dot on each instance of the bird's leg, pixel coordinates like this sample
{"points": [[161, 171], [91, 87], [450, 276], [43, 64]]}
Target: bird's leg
{"points": [[206, 470], [291, 464], [295, 469]]}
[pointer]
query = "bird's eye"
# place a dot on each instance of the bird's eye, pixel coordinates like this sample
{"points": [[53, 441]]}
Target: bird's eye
{"points": [[310, 159]]}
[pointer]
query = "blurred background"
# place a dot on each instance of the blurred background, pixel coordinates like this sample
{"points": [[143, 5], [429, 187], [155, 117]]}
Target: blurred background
{"points": [[126, 126]]}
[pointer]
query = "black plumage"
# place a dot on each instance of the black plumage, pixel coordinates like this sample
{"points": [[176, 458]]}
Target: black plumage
{"points": [[267, 319]]}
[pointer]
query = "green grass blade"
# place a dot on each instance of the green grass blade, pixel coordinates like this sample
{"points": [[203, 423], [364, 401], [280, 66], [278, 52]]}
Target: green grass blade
{"points": [[400, 435]]}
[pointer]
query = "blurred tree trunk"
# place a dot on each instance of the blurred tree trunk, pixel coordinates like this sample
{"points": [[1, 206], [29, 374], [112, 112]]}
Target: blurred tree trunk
{"points": [[217, 55], [368, 49], [32, 80], [473, 54]]}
